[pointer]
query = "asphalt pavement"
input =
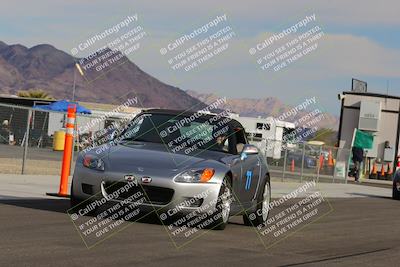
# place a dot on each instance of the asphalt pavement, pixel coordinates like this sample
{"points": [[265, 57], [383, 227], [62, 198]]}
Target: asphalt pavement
{"points": [[361, 228]]}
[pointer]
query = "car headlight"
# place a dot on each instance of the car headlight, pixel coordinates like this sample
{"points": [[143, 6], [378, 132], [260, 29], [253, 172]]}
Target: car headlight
{"points": [[93, 162], [195, 176]]}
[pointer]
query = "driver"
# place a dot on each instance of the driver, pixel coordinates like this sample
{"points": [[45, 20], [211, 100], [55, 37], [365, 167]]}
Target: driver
{"points": [[220, 141]]}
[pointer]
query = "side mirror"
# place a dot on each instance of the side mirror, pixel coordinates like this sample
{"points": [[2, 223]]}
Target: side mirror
{"points": [[248, 150]]}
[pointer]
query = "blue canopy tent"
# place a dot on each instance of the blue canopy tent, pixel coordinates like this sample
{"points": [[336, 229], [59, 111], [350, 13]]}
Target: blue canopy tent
{"points": [[42, 133], [62, 105]]}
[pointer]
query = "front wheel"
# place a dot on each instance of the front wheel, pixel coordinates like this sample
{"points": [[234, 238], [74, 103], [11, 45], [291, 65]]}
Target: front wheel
{"points": [[74, 201], [223, 206], [260, 216], [396, 194]]}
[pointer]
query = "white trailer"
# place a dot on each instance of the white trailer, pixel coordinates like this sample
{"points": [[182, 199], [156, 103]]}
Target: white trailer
{"points": [[266, 133]]}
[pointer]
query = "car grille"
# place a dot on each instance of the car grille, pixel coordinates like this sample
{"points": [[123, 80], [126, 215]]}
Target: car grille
{"points": [[156, 195]]}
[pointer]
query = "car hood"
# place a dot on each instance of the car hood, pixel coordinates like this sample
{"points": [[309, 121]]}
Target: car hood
{"points": [[151, 157]]}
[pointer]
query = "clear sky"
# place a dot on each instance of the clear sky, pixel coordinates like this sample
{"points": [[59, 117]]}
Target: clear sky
{"points": [[361, 40]]}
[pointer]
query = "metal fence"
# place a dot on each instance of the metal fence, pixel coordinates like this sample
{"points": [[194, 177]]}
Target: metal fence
{"points": [[27, 146], [303, 162], [27, 139]]}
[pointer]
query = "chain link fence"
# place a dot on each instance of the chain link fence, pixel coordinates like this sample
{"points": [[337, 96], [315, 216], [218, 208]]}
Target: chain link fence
{"points": [[32, 140], [303, 161]]}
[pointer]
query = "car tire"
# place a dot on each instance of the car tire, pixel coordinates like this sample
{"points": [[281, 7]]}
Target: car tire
{"points": [[223, 205], [74, 201], [395, 194], [263, 200]]}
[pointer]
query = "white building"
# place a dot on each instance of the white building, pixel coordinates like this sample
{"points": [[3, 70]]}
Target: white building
{"points": [[377, 114]]}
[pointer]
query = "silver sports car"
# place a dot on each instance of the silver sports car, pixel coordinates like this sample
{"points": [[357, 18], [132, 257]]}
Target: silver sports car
{"points": [[183, 161]]}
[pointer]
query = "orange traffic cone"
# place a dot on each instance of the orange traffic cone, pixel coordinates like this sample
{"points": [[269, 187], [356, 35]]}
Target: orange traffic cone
{"points": [[382, 173], [292, 166], [374, 172], [330, 159], [389, 172], [321, 162]]}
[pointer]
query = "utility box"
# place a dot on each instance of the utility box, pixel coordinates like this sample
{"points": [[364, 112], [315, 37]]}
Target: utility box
{"points": [[388, 154], [370, 114]]}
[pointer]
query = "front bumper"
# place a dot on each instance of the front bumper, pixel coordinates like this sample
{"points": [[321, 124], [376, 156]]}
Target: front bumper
{"points": [[161, 194]]}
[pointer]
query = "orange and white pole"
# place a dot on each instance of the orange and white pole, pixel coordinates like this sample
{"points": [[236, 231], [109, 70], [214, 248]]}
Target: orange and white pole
{"points": [[69, 140]]}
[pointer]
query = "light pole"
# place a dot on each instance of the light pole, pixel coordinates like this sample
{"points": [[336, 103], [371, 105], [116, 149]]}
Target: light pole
{"points": [[77, 66], [73, 87]]}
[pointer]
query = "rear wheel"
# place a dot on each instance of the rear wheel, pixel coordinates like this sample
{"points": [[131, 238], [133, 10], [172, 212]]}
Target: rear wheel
{"points": [[223, 206], [260, 216]]}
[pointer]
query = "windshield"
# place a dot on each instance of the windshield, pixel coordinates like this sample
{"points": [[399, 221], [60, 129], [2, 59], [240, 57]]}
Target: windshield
{"points": [[179, 132]]}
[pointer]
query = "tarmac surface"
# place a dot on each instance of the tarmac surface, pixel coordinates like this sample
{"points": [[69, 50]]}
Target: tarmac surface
{"points": [[361, 228]]}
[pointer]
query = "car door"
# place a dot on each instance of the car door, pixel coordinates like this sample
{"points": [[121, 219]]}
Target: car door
{"points": [[235, 164], [250, 176], [250, 165]]}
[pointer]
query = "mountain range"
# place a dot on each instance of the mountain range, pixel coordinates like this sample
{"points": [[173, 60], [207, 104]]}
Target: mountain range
{"points": [[270, 106], [46, 67]]}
